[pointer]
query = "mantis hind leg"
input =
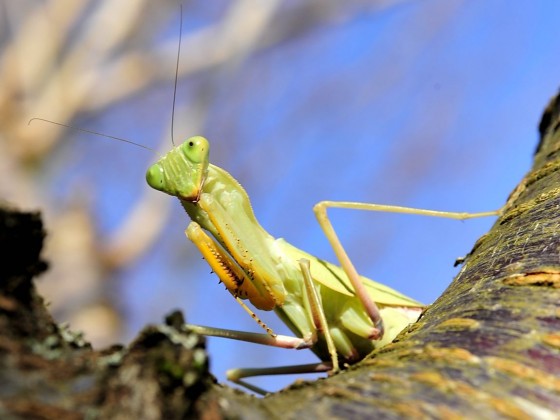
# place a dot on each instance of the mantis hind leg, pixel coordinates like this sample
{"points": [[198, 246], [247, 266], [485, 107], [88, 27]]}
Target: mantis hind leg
{"points": [[369, 305], [236, 375]]}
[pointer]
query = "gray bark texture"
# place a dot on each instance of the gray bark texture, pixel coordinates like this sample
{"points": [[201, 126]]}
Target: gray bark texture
{"points": [[489, 347]]}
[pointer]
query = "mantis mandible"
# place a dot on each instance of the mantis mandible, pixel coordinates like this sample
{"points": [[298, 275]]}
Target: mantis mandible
{"points": [[331, 310]]}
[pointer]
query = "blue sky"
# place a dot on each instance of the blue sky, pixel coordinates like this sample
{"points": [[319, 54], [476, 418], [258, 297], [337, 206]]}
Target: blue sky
{"points": [[431, 104]]}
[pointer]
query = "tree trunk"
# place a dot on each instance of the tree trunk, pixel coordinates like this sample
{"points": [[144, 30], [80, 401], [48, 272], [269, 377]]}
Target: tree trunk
{"points": [[489, 347]]}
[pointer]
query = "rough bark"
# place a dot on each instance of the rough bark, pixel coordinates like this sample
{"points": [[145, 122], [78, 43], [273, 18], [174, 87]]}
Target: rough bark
{"points": [[489, 347]]}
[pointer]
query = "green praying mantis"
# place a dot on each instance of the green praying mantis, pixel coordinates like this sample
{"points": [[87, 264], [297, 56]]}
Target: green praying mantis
{"points": [[331, 310]]}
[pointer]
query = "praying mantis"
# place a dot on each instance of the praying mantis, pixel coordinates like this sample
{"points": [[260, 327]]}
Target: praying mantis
{"points": [[330, 309]]}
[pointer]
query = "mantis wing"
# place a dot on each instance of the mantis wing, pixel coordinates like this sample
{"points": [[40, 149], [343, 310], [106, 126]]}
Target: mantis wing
{"points": [[333, 277]]}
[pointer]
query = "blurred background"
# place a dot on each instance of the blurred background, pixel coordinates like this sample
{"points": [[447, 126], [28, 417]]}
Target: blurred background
{"points": [[431, 104]]}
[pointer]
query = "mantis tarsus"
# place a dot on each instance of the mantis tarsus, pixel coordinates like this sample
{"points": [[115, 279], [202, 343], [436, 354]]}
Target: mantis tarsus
{"points": [[333, 311]]}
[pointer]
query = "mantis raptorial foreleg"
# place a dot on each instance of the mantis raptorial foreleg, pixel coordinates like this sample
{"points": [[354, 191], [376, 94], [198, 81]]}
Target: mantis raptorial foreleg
{"points": [[320, 210]]}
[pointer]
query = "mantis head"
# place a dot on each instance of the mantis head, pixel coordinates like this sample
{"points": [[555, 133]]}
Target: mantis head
{"points": [[182, 171]]}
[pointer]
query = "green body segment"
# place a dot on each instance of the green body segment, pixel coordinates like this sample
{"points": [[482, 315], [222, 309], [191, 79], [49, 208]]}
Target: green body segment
{"points": [[216, 202]]}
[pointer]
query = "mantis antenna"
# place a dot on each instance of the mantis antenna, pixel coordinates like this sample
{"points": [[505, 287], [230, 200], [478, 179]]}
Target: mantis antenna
{"points": [[92, 132], [120, 138], [176, 73]]}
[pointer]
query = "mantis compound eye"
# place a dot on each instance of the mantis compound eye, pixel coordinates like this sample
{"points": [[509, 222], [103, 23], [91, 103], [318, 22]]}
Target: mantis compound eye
{"points": [[155, 177], [196, 149]]}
